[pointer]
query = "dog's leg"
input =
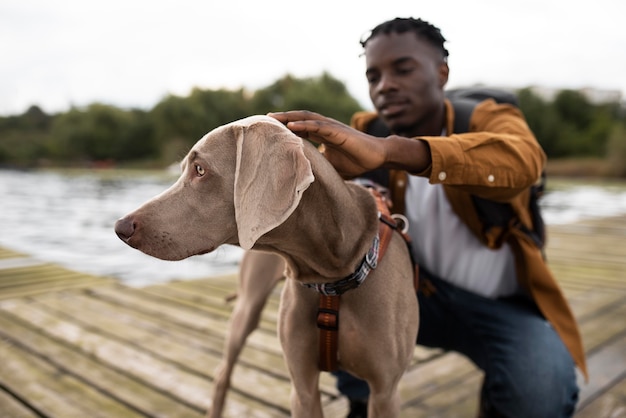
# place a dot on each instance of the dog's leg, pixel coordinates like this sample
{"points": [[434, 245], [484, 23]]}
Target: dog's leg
{"points": [[299, 338], [258, 275], [384, 404]]}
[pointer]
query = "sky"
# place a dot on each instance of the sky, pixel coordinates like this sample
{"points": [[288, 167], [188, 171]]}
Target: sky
{"points": [[132, 53]]}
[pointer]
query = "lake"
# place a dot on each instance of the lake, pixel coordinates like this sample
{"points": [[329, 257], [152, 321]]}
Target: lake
{"points": [[67, 217]]}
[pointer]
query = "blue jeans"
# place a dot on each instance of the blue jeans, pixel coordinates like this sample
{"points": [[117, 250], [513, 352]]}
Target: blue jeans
{"points": [[528, 370]]}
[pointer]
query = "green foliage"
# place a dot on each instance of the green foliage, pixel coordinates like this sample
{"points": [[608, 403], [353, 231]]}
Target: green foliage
{"points": [[573, 108], [23, 148], [181, 121], [570, 126], [24, 138], [323, 94], [616, 150], [102, 132]]}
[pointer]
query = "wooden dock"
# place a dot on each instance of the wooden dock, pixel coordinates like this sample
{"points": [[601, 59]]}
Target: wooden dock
{"points": [[75, 345]]}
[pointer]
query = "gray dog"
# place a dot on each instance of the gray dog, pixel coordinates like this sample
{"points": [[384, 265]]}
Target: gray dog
{"points": [[255, 184]]}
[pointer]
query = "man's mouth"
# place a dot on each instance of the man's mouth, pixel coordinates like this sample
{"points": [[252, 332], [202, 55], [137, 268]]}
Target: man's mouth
{"points": [[389, 110]]}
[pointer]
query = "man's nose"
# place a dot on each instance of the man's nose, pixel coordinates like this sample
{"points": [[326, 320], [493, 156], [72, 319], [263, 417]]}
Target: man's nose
{"points": [[387, 82]]}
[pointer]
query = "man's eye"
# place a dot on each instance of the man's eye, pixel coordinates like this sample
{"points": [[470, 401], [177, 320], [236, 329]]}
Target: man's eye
{"points": [[199, 170]]}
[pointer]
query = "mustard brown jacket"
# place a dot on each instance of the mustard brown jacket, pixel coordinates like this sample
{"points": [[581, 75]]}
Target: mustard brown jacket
{"points": [[498, 159]]}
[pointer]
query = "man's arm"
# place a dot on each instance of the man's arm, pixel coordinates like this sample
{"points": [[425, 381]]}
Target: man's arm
{"points": [[497, 159], [353, 152]]}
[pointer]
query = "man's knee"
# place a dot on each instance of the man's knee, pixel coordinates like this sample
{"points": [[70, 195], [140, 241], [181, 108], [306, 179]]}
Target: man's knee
{"points": [[549, 391]]}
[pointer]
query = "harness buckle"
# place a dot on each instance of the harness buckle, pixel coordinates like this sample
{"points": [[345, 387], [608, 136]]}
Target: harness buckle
{"points": [[328, 319], [402, 222]]}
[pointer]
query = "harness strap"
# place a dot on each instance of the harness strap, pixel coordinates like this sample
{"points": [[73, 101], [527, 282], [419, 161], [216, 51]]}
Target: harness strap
{"points": [[328, 323], [328, 311], [388, 219], [387, 223]]}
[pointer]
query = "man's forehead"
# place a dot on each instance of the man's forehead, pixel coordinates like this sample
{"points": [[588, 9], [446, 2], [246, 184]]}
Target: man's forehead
{"points": [[395, 45]]}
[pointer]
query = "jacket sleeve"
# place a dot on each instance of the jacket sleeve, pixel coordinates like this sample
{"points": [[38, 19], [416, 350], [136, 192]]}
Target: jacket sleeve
{"points": [[497, 159]]}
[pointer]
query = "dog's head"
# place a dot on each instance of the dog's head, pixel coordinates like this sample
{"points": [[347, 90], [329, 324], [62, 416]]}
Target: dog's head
{"points": [[238, 182]]}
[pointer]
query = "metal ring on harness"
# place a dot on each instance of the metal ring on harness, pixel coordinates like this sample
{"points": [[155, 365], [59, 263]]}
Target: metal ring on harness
{"points": [[401, 221]]}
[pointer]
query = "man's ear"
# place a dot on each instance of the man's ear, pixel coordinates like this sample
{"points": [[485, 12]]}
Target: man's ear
{"points": [[444, 73]]}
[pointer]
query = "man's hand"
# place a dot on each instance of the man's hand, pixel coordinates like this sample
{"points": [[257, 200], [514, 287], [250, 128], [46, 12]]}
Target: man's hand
{"points": [[350, 151]]}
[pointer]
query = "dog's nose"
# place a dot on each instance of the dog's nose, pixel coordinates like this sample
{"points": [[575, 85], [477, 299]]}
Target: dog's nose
{"points": [[125, 228]]}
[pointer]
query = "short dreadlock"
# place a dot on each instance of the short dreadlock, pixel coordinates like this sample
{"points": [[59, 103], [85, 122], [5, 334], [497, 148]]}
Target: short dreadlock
{"points": [[421, 28]]}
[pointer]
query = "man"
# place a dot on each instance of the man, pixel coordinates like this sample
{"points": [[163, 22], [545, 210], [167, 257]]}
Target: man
{"points": [[488, 292]]}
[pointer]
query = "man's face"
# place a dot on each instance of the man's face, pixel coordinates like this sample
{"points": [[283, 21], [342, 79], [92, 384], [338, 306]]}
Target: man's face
{"points": [[406, 76]]}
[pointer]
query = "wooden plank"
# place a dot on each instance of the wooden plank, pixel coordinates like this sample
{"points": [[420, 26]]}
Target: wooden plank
{"points": [[612, 225], [139, 394], [183, 317], [167, 338], [147, 331], [194, 293], [10, 407], [592, 261], [35, 274], [459, 399], [117, 385], [182, 381], [612, 403], [449, 371], [19, 262], [564, 238], [24, 281], [607, 365], [605, 326], [590, 302], [215, 307], [115, 354], [427, 378], [51, 389], [216, 290], [8, 253], [37, 289]]}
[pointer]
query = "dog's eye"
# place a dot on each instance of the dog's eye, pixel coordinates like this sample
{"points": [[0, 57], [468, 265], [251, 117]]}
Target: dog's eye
{"points": [[199, 170]]}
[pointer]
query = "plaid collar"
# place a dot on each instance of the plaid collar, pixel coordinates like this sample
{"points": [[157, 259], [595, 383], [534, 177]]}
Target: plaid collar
{"points": [[369, 263]]}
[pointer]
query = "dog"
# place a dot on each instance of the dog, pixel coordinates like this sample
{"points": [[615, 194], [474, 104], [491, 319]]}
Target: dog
{"points": [[259, 273], [255, 184]]}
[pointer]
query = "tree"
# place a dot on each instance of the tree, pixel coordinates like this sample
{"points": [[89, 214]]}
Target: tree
{"points": [[324, 94], [102, 132], [181, 121], [23, 138], [616, 150]]}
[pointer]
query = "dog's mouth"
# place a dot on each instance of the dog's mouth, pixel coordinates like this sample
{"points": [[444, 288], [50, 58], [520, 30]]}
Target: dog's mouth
{"points": [[159, 244], [172, 252], [205, 251]]}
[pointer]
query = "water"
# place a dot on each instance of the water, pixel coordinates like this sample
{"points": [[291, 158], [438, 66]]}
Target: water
{"points": [[564, 204], [67, 218]]}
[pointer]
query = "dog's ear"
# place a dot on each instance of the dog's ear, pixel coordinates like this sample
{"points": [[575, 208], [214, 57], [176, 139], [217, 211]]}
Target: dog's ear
{"points": [[271, 174]]}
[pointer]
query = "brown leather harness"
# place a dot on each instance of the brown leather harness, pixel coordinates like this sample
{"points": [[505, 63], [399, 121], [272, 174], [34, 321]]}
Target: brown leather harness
{"points": [[330, 293]]}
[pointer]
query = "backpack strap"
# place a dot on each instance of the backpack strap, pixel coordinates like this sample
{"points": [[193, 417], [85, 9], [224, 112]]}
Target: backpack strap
{"points": [[463, 109], [495, 214]]}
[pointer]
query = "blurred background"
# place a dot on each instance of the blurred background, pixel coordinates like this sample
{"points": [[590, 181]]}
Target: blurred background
{"points": [[100, 100]]}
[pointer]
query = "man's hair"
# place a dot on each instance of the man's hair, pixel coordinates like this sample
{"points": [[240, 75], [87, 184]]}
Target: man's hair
{"points": [[421, 28]]}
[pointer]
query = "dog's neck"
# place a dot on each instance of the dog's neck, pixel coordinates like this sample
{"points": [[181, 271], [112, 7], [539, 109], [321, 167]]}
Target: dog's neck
{"points": [[331, 230]]}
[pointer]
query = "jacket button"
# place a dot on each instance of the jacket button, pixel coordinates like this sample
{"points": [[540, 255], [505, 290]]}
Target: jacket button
{"points": [[442, 176], [490, 178]]}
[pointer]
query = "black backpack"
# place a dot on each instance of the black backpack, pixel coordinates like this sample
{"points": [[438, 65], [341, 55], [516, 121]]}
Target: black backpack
{"points": [[491, 213]]}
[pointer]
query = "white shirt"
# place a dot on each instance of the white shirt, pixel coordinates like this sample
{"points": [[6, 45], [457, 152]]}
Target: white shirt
{"points": [[446, 247]]}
